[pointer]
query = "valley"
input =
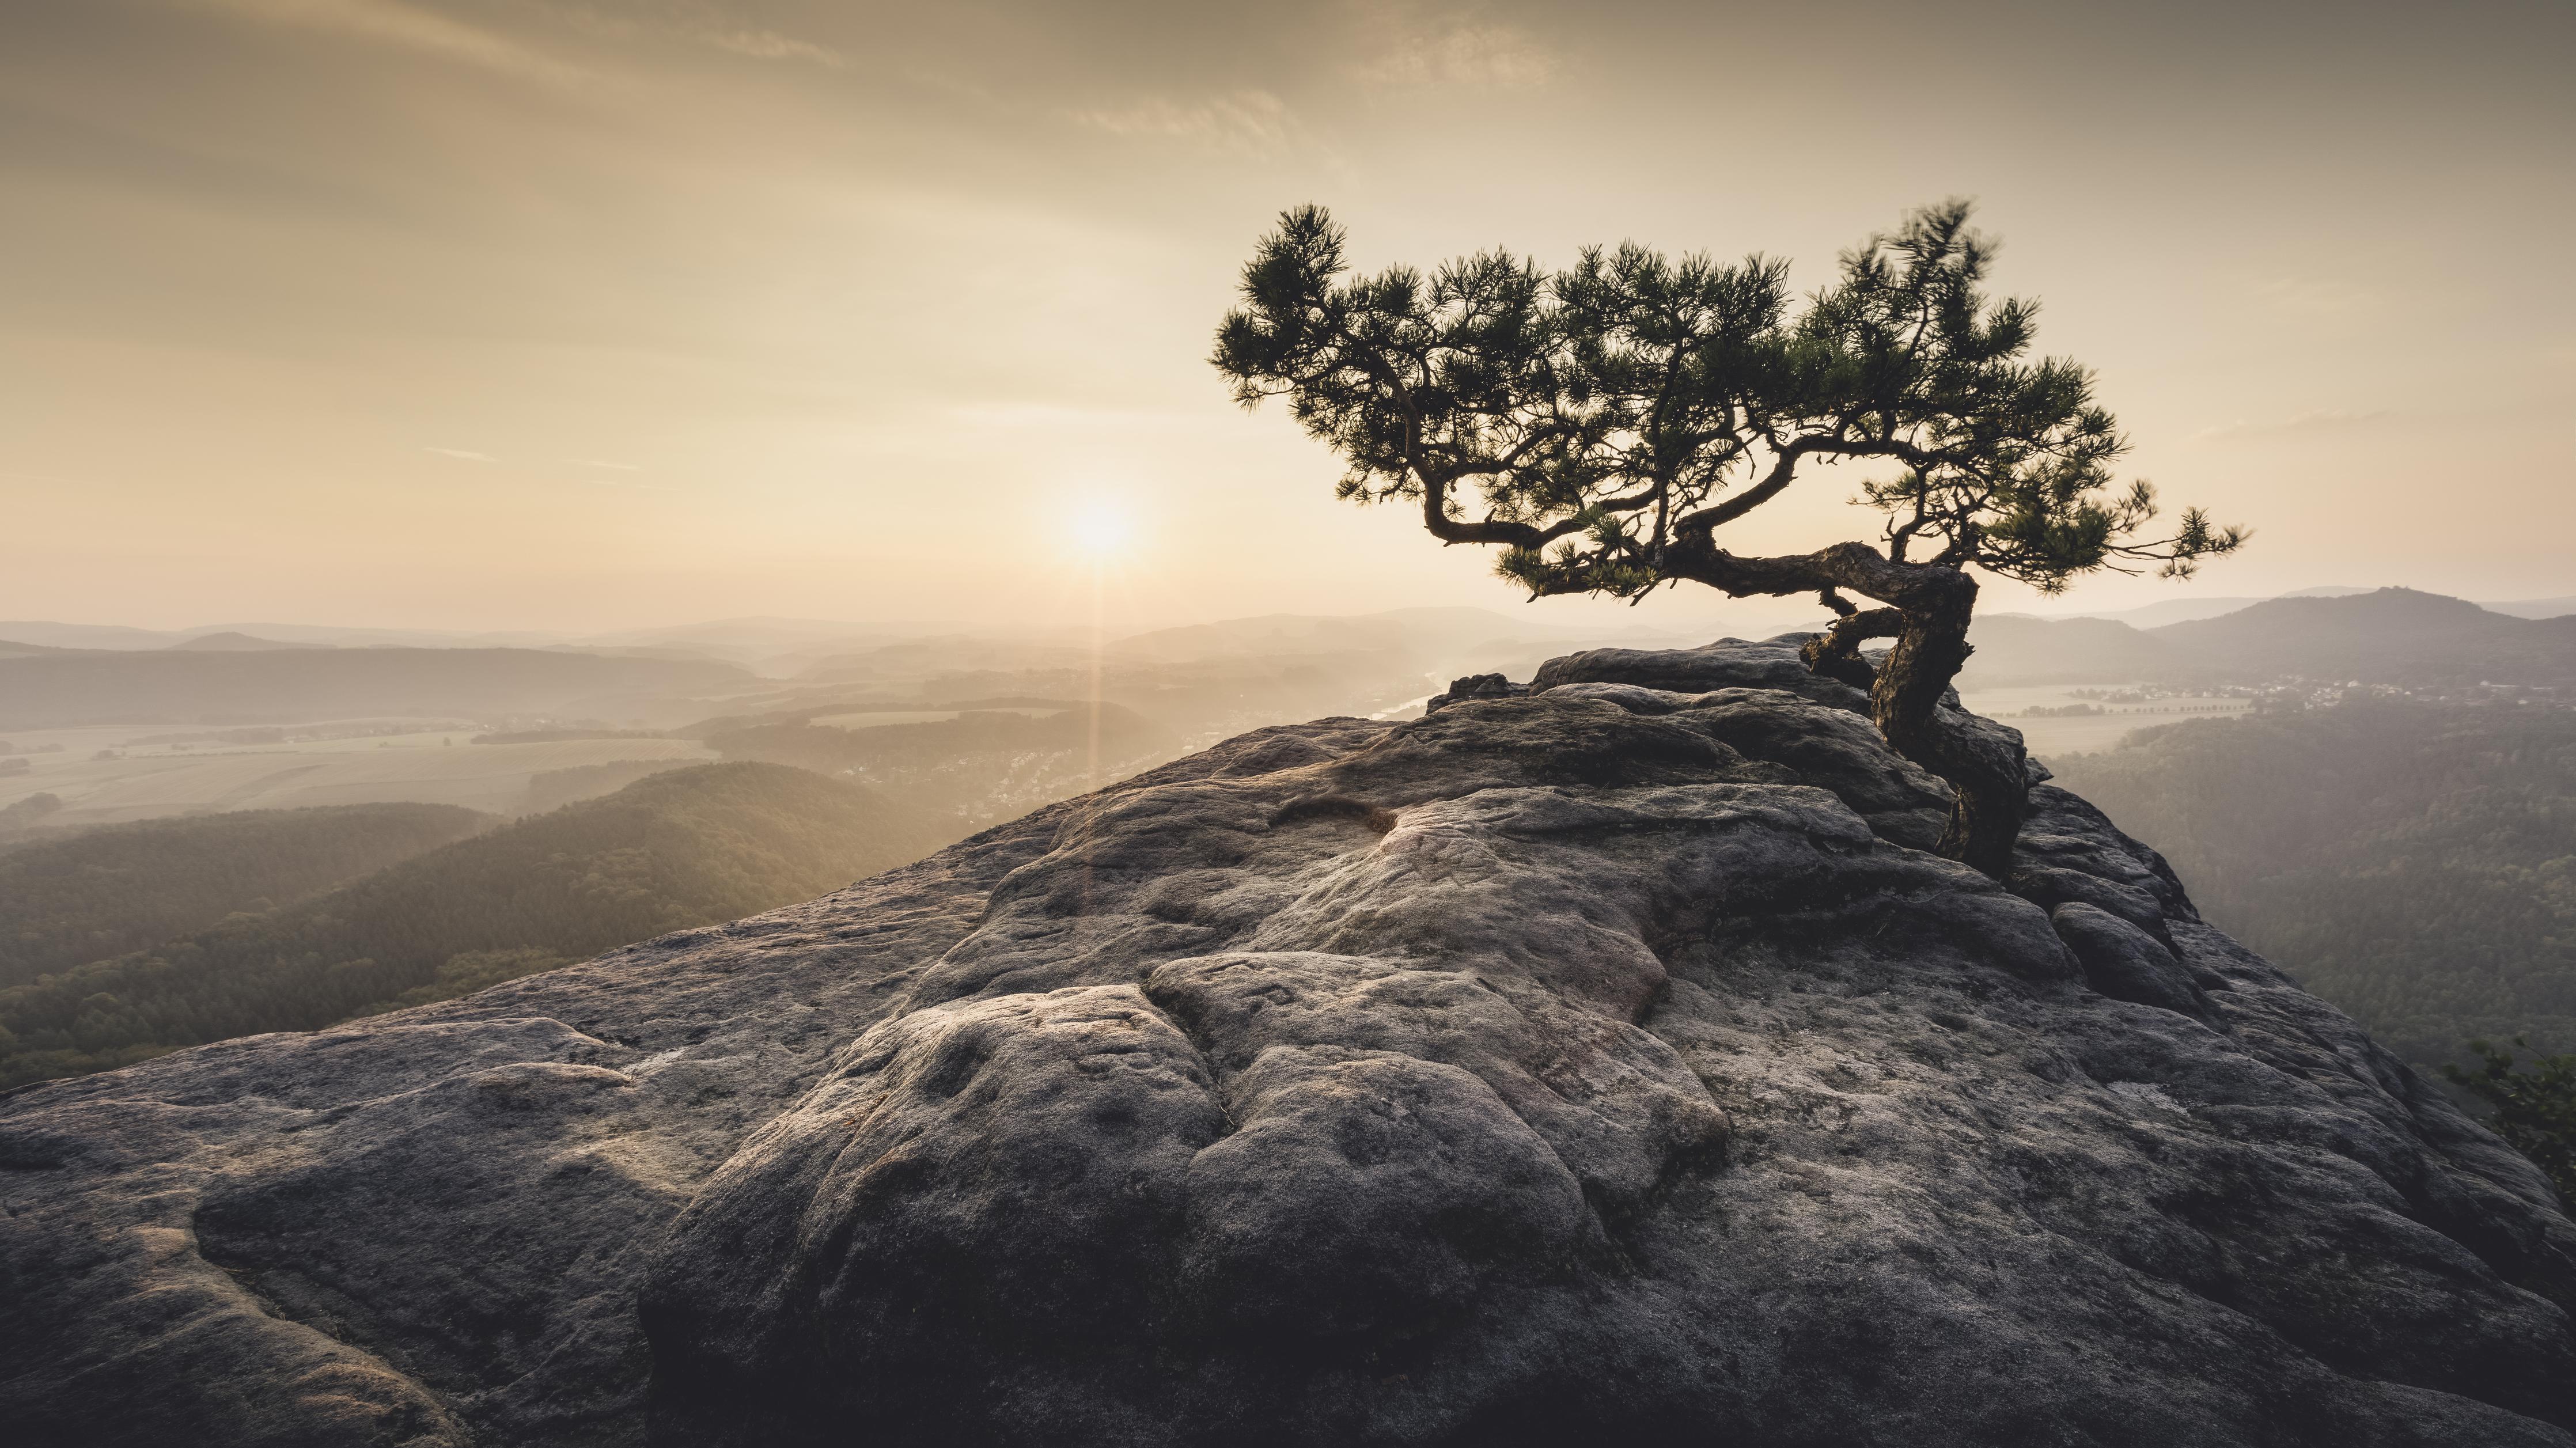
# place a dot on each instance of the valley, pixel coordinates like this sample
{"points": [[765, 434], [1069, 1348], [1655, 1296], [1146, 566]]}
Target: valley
{"points": [[106, 774], [960, 732]]}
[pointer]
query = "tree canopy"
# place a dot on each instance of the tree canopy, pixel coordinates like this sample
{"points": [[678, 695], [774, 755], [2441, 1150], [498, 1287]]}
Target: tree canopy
{"points": [[111, 889], [1602, 424], [1614, 413], [2435, 905], [2534, 1110]]}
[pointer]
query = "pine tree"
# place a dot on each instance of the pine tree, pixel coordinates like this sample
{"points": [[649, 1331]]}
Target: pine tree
{"points": [[1602, 424]]}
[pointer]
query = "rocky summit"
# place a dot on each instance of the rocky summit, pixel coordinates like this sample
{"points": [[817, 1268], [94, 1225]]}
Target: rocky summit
{"points": [[1609, 1058]]}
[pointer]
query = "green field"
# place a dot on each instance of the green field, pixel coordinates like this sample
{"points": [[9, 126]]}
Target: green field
{"points": [[2089, 733], [150, 781]]}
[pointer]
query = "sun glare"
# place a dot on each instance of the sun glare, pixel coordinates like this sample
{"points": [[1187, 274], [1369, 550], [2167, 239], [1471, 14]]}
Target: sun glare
{"points": [[1098, 532]]}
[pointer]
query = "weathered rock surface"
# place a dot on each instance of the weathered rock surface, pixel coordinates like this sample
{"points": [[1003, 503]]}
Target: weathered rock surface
{"points": [[1611, 1060], [1475, 686]]}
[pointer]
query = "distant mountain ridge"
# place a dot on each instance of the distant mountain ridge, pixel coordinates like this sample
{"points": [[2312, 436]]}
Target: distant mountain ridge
{"points": [[1426, 631], [759, 639], [232, 642], [2395, 636], [2182, 610], [1221, 675], [2535, 607], [2185, 610]]}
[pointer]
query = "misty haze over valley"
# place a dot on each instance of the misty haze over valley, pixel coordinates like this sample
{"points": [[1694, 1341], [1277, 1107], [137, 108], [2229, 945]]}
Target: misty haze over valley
{"points": [[958, 730], [1344, 724]]}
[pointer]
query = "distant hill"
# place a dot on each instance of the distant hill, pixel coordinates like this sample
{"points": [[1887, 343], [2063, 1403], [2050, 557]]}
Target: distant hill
{"points": [[680, 848], [119, 636], [2395, 636], [1429, 632], [2534, 607], [2413, 863], [280, 685], [2013, 649], [2172, 610], [783, 646], [554, 788], [87, 635], [2179, 610], [229, 642], [2390, 636], [976, 769], [1274, 634], [117, 888]]}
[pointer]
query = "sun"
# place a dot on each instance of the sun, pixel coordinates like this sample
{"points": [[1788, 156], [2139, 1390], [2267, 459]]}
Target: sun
{"points": [[1099, 531]]}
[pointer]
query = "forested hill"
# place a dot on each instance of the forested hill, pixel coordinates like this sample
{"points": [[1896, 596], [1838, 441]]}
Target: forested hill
{"points": [[684, 847], [980, 768], [117, 888], [2413, 863], [2393, 635]]}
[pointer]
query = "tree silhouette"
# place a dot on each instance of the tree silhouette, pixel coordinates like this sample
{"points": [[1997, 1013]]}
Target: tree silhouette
{"points": [[1602, 425]]}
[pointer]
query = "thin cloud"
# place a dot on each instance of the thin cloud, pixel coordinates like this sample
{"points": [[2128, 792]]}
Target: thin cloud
{"points": [[770, 45], [462, 454], [1248, 122], [612, 467], [392, 22], [2321, 420], [1410, 48], [704, 24]]}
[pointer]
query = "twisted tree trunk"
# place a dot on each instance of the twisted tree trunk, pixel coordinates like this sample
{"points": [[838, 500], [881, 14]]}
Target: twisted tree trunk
{"points": [[1990, 786], [1929, 606]]}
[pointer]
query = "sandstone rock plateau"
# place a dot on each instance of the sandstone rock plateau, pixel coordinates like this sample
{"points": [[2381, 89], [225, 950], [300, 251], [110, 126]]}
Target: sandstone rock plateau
{"points": [[1609, 1060]]}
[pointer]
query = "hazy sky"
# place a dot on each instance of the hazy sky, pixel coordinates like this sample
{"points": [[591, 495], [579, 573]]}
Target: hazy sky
{"points": [[581, 313]]}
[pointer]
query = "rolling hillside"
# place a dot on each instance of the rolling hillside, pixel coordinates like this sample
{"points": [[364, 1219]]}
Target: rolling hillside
{"points": [[2413, 863], [977, 768], [117, 888], [681, 848]]}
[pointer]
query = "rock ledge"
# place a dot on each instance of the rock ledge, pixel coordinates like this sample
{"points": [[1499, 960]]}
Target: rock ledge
{"points": [[1609, 1059]]}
